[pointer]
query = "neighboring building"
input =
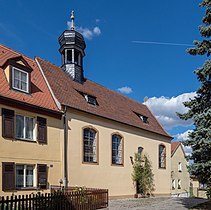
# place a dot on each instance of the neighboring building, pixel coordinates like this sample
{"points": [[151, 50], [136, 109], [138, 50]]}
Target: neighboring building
{"points": [[197, 189], [103, 128], [30, 127], [180, 177]]}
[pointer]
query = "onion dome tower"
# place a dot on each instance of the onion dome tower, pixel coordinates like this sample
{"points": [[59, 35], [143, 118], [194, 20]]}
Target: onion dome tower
{"points": [[72, 46]]}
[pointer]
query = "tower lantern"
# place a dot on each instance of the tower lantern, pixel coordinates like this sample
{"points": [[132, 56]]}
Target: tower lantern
{"points": [[72, 46]]}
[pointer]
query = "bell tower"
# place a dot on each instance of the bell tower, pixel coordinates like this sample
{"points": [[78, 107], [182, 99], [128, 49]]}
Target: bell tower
{"points": [[72, 46]]}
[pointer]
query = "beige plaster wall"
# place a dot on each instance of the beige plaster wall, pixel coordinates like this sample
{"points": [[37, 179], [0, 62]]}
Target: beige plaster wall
{"points": [[104, 175], [7, 73], [27, 152], [184, 175]]}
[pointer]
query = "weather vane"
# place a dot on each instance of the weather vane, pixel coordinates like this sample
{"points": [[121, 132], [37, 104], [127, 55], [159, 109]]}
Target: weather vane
{"points": [[72, 19]]}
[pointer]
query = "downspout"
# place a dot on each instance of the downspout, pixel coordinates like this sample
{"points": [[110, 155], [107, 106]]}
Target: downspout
{"points": [[65, 147]]}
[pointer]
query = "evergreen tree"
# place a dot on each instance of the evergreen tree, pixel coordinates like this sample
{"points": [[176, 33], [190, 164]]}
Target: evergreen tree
{"points": [[200, 107]]}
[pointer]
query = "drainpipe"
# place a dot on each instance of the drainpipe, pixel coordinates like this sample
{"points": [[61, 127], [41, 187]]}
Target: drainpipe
{"points": [[65, 147]]}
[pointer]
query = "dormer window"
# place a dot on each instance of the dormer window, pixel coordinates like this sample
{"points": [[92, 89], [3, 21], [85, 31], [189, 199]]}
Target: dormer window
{"points": [[144, 119], [18, 74], [91, 99], [20, 80]]}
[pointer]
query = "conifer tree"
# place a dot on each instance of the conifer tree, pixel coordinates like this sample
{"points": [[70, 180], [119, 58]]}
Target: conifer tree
{"points": [[200, 106]]}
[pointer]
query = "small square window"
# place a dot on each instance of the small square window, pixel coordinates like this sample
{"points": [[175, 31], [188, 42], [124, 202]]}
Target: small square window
{"points": [[179, 184], [173, 184], [91, 99], [20, 80], [144, 119], [180, 167]]}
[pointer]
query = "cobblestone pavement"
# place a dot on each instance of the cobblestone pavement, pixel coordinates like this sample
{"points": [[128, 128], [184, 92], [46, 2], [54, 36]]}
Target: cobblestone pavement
{"points": [[154, 203]]}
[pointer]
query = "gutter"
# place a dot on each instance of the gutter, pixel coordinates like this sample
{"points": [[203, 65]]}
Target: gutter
{"points": [[65, 147]]}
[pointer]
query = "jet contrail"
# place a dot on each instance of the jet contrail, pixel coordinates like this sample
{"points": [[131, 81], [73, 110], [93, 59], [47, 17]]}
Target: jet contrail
{"points": [[163, 43]]}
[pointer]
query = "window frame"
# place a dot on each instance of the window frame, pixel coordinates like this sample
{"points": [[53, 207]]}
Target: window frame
{"points": [[122, 150], [24, 176], [90, 99], [13, 80], [97, 146], [179, 167], [173, 184], [160, 156], [179, 184], [24, 130]]}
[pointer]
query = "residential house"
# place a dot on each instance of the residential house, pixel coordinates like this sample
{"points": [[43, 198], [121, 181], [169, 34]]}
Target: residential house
{"points": [[30, 127], [180, 177], [103, 128]]}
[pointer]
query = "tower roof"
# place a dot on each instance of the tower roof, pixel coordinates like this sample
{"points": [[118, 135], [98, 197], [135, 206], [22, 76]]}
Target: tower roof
{"points": [[72, 38]]}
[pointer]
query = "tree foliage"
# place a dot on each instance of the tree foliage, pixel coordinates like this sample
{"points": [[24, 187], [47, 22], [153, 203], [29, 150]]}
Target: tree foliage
{"points": [[200, 106], [142, 174]]}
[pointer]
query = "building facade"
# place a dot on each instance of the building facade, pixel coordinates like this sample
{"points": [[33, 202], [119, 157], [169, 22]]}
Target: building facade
{"points": [[180, 177], [30, 127], [104, 128]]}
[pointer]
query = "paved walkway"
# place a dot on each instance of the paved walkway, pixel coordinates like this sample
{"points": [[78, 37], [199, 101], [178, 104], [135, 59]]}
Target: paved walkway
{"points": [[154, 203]]}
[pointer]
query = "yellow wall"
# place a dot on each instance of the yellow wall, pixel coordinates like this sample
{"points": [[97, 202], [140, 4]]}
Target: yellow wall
{"points": [[104, 175], [7, 73], [184, 175], [26, 152]]}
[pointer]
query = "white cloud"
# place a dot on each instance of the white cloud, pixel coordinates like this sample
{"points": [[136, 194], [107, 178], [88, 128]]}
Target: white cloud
{"points": [[165, 109], [182, 136], [97, 20], [97, 31], [87, 32], [187, 150], [125, 90]]}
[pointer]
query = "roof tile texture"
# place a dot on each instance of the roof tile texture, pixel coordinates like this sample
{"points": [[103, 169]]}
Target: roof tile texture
{"points": [[111, 104], [174, 146], [40, 96]]}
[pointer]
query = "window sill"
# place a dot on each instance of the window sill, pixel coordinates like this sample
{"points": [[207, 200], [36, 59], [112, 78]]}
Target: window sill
{"points": [[90, 163], [118, 165], [26, 140], [162, 168], [27, 188], [20, 91]]}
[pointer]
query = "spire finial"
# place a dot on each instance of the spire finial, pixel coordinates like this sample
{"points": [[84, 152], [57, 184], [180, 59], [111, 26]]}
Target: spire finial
{"points": [[72, 19]]}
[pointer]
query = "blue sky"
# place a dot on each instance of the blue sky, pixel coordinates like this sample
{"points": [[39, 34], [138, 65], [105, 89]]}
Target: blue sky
{"points": [[137, 44]]}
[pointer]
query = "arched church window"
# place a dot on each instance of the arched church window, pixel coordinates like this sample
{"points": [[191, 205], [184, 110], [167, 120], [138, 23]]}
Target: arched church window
{"points": [[162, 156]]}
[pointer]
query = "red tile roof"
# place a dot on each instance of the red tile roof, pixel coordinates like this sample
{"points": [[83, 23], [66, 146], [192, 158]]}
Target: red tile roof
{"points": [[40, 96], [174, 146], [111, 105]]}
